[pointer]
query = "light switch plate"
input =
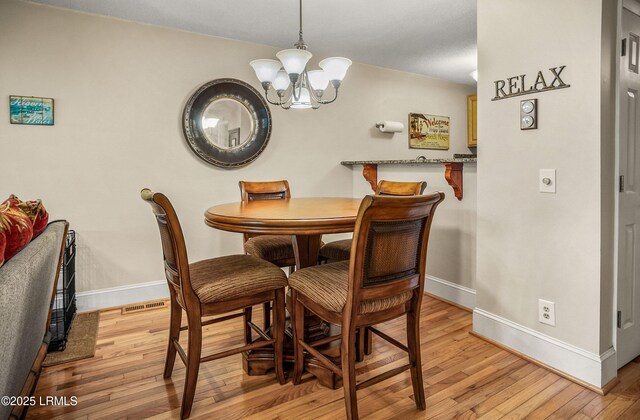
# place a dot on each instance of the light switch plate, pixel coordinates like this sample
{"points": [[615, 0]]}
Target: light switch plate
{"points": [[550, 185]]}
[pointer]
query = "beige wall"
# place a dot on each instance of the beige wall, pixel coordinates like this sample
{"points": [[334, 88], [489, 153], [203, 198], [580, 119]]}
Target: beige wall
{"points": [[550, 246], [119, 90]]}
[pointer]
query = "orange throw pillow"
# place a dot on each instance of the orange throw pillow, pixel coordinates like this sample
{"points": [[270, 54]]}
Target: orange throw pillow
{"points": [[16, 227]]}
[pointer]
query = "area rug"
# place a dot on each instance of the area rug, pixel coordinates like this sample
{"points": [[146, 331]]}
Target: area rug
{"points": [[81, 343]]}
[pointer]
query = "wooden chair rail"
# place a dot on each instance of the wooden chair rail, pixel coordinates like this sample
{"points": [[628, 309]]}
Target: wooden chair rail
{"points": [[389, 339], [237, 350], [383, 376], [321, 358], [215, 320]]}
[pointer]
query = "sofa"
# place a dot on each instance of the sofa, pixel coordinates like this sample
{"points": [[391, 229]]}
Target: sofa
{"points": [[27, 288]]}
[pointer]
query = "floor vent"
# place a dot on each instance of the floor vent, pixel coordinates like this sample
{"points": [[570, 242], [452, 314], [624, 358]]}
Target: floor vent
{"points": [[147, 306]]}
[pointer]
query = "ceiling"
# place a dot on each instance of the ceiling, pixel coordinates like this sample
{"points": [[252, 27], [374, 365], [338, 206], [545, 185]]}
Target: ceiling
{"points": [[431, 37]]}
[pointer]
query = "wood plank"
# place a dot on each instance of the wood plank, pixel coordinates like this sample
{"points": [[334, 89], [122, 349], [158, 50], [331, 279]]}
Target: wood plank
{"points": [[465, 377]]}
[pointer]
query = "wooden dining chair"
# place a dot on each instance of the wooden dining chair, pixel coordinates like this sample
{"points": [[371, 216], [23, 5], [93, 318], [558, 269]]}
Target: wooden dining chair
{"points": [[382, 281], [277, 249], [341, 250], [212, 287]]}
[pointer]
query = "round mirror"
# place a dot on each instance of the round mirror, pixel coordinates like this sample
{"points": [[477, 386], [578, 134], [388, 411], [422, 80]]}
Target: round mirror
{"points": [[227, 123]]}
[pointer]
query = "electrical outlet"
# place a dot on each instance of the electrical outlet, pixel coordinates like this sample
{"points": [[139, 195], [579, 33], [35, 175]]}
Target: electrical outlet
{"points": [[547, 312]]}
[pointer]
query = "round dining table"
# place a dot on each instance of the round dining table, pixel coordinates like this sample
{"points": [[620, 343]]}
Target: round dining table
{"points": [[306, 220]]}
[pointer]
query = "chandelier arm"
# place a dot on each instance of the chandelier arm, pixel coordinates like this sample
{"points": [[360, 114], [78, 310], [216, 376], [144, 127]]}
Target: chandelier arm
{"points": [[266, 96], [330, 101]]}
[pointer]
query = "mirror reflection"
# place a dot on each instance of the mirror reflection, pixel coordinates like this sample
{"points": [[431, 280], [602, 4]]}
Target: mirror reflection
{"points": [[227, 123]]}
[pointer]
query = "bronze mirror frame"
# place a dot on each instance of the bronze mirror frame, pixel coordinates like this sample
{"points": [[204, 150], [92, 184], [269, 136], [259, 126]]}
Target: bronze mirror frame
{"points": [[194, 133]]}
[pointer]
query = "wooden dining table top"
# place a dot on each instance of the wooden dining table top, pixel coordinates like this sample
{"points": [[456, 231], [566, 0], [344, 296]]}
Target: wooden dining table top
{"points": [[291, 216]]}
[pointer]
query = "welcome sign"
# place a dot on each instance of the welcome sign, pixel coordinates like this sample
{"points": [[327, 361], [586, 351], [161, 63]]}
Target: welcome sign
{"points": [[519, 85]]}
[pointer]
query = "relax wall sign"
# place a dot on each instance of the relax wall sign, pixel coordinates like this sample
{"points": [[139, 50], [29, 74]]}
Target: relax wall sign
{"points": [[519, 85]]}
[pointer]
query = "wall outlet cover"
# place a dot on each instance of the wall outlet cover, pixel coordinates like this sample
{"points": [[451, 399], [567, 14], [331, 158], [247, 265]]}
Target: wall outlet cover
{"points": [[547, 312]]}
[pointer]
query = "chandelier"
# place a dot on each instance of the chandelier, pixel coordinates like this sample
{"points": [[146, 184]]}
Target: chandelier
{"points": [[295, 86]]}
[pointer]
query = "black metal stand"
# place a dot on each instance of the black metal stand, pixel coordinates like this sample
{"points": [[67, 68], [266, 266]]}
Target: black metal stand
{"points": [[64, 306]]}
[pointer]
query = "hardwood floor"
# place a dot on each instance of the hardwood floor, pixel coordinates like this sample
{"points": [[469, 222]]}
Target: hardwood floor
{"points": [[465, 377]]}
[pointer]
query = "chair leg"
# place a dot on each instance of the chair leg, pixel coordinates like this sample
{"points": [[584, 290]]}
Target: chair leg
{"points": [[174, 333], [349, 371], [278, 334], [298, 335], [193, 365], [413, 343], [247, 329], [360, 344], [267, 315], [368, 341]]}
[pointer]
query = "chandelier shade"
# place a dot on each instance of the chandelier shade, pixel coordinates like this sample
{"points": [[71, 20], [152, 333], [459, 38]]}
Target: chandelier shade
{"points": [[335, 67], [318, 79], [303, 101], [294, 61], [282, 81], [266, 70], [295, 86]]}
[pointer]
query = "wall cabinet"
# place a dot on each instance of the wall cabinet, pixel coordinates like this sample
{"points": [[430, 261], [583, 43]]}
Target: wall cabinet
{"points": [[472, 121]]}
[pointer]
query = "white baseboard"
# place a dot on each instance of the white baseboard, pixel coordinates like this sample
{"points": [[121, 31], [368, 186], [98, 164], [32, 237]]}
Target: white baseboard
{"points": [[594, 369], [124, 295], [452, 292]]}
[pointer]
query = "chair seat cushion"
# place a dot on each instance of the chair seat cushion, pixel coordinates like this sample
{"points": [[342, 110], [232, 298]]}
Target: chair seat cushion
{"points": [[234, 276], [327, 285], [277, 249], [337, 250]]}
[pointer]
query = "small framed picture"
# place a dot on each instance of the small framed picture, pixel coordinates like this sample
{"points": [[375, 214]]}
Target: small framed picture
{"points": [[30, 110], [428, 131]]}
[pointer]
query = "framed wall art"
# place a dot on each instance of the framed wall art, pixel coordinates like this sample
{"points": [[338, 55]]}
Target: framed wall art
{"points": [[428, 131], [30, 110]]}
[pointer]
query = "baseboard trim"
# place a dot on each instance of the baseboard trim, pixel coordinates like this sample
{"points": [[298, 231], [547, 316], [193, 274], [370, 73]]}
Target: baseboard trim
{"points": [[593, 371], [119, 296], [450, 292]]}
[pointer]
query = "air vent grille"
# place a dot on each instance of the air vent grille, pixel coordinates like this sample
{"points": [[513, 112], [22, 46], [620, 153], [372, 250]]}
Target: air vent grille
{"points": [[147, 306]]}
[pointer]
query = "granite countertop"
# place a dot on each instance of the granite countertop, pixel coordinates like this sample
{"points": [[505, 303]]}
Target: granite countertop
{"points": [[410, 161]]}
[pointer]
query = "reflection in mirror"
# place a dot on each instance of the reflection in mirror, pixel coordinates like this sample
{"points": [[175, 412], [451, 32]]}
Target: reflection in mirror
{"points": [[227, 123]]}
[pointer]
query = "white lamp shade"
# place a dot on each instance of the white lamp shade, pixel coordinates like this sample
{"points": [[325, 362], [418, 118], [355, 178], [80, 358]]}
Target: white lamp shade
{"points": [[474, 75], [265, 69], [294, 60], [282, 81], [335, 67], [318, 79], [304, 101]]}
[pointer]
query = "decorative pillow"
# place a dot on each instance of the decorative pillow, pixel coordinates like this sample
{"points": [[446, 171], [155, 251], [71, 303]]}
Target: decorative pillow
{"points": [[3, 244], [36, 212], [16, 227]]}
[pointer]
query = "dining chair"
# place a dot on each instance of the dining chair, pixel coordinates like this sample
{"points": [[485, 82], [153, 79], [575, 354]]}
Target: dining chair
{"points": [[215, 286], [277, 249], [382, 281], [341, 250]]}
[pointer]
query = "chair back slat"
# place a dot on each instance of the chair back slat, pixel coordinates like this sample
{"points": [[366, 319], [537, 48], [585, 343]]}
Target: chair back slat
{"points": [[271, 190], [392, 251], [388, 255], [395, 188]]}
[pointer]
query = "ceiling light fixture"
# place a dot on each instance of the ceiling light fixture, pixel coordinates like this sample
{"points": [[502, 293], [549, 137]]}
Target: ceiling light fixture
{"points": [[296, 87]]}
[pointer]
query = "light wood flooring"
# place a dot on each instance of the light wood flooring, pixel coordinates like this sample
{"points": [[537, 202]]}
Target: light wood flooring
{"points": [[465, 377]]}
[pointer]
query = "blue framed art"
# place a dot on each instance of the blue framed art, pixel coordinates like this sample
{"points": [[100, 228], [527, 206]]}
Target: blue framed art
{"points": [[30, 110]]}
